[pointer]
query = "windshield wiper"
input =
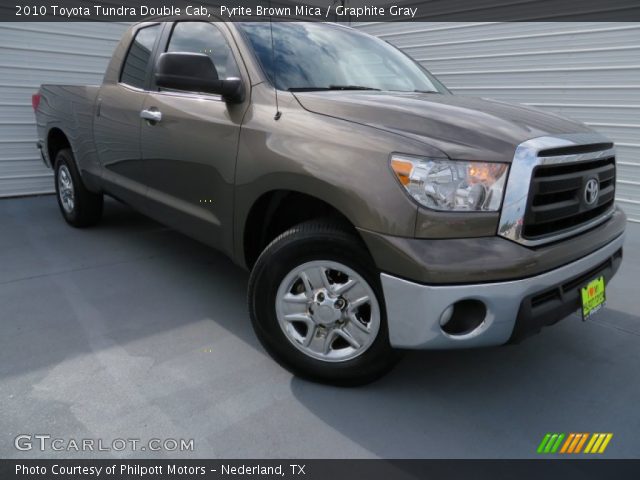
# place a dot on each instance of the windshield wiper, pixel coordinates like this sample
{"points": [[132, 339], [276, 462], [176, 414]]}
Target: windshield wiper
{"points": [[351, 87], [331, 87], [306, 89], [426, 91]]}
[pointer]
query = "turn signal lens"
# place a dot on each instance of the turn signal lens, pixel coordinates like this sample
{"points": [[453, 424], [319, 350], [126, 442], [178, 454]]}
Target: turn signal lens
{"points": [[402, 170]]}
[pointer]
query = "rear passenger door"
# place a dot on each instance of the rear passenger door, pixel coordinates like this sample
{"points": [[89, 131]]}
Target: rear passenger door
{"points": [[116, 126], [190, 154]]}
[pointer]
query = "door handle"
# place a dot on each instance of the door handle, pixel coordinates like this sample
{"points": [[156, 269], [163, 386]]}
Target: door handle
{"points": [[151, 115]]}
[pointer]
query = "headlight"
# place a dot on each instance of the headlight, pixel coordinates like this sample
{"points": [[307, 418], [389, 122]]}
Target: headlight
{"points": [[452, 185]]}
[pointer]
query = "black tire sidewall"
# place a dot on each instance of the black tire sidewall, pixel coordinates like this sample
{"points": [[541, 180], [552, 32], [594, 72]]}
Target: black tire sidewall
{"points": [[65, 158], [279, 258], [87, 208]]}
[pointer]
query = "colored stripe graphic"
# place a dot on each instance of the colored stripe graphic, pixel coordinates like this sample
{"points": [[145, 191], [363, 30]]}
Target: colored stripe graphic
{"points": [[591, 442], [604, 445], [598, 443], [581, 443], [543, 443], [568, 442], [572, 443], [556, 445], [551, 442]]}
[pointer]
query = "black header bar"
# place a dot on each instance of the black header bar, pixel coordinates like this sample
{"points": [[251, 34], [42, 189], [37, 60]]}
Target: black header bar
{"points": [[325, 10], [542, 469]]}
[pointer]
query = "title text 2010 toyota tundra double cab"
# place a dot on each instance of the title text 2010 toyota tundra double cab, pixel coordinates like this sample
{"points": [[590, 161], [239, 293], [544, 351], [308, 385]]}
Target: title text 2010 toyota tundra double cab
{"points": [[375, 210]]}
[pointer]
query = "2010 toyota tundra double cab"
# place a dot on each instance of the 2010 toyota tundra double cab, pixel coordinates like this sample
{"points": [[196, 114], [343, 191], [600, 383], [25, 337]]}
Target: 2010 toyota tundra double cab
{"points": [[375, 210]]}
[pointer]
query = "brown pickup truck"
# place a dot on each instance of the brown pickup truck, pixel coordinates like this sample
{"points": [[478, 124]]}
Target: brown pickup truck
{"points": [[375, 210]]}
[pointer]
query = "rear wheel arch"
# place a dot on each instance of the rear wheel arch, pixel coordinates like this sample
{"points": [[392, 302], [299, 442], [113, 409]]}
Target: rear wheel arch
{"points": [[57, 140]]}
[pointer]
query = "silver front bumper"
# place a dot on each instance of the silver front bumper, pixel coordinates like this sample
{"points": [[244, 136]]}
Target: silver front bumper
{"points": [[414, 310]]}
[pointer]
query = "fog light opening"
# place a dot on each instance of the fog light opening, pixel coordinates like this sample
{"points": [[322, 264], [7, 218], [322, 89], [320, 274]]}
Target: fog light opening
{"points": [[463, 317]]}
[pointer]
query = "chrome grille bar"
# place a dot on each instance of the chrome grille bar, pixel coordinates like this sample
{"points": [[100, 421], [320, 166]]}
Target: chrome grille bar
{"points": [[521, 174]]}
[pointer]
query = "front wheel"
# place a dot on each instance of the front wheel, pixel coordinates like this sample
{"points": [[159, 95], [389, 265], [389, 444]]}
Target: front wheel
{"points": [[316, 305]]}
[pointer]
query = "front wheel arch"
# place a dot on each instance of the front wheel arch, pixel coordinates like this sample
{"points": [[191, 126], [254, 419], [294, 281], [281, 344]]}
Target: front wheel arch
{"points": [[276, 211]]}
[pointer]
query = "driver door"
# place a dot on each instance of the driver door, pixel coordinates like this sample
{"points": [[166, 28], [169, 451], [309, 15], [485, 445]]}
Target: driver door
{"points": [[189, 153]]}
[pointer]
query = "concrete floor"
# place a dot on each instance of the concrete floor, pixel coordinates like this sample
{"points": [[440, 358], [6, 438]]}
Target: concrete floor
{"points": [[130, 330]]}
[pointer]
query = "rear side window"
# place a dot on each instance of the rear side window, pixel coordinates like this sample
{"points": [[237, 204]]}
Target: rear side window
{"points": [[134, 70], [202, 37]]}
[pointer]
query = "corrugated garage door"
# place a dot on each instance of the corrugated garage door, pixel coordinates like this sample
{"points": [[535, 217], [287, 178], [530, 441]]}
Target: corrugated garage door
{"points": [[32, 54], [587, 71]]}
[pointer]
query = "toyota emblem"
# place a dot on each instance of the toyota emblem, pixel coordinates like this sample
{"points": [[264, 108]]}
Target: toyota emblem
{"points": [[591, 191]]}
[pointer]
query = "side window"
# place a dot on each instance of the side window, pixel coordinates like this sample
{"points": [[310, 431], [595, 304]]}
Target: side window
{"points": [[134, 69], [202, 37]]}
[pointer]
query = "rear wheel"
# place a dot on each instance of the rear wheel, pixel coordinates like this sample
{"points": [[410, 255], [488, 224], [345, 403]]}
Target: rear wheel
{"points": [[317, 306], [79, 206]]}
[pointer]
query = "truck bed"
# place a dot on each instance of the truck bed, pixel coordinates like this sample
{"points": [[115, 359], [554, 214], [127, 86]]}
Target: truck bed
{"points": [[70, 108]]}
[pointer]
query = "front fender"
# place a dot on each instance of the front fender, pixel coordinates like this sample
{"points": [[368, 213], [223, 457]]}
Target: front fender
{"points": [[342, 163]]}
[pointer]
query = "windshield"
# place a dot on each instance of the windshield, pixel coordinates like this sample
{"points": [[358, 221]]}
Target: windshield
{"points": [[319, 56]]}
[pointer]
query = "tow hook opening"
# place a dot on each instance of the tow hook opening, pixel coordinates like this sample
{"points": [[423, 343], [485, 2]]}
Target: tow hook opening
{"points": [[463, 317]]}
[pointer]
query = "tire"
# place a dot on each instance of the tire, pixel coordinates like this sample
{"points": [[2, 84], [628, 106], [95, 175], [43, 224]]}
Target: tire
{"points": [[79, 206], [307, 303]]}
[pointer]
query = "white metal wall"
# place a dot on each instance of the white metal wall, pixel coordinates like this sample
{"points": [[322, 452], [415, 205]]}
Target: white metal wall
{"points": [[587, 71], [32, 54]]}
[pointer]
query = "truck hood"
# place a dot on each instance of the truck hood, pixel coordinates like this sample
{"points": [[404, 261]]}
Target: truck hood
{"points": [[463, 128]]}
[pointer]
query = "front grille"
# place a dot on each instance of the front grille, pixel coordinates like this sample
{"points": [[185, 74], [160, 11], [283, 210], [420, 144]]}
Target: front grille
{"points": [[557, 201]]}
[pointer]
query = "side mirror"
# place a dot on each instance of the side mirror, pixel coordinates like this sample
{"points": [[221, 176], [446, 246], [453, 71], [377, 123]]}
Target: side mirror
{"points": [[195, 72]]}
